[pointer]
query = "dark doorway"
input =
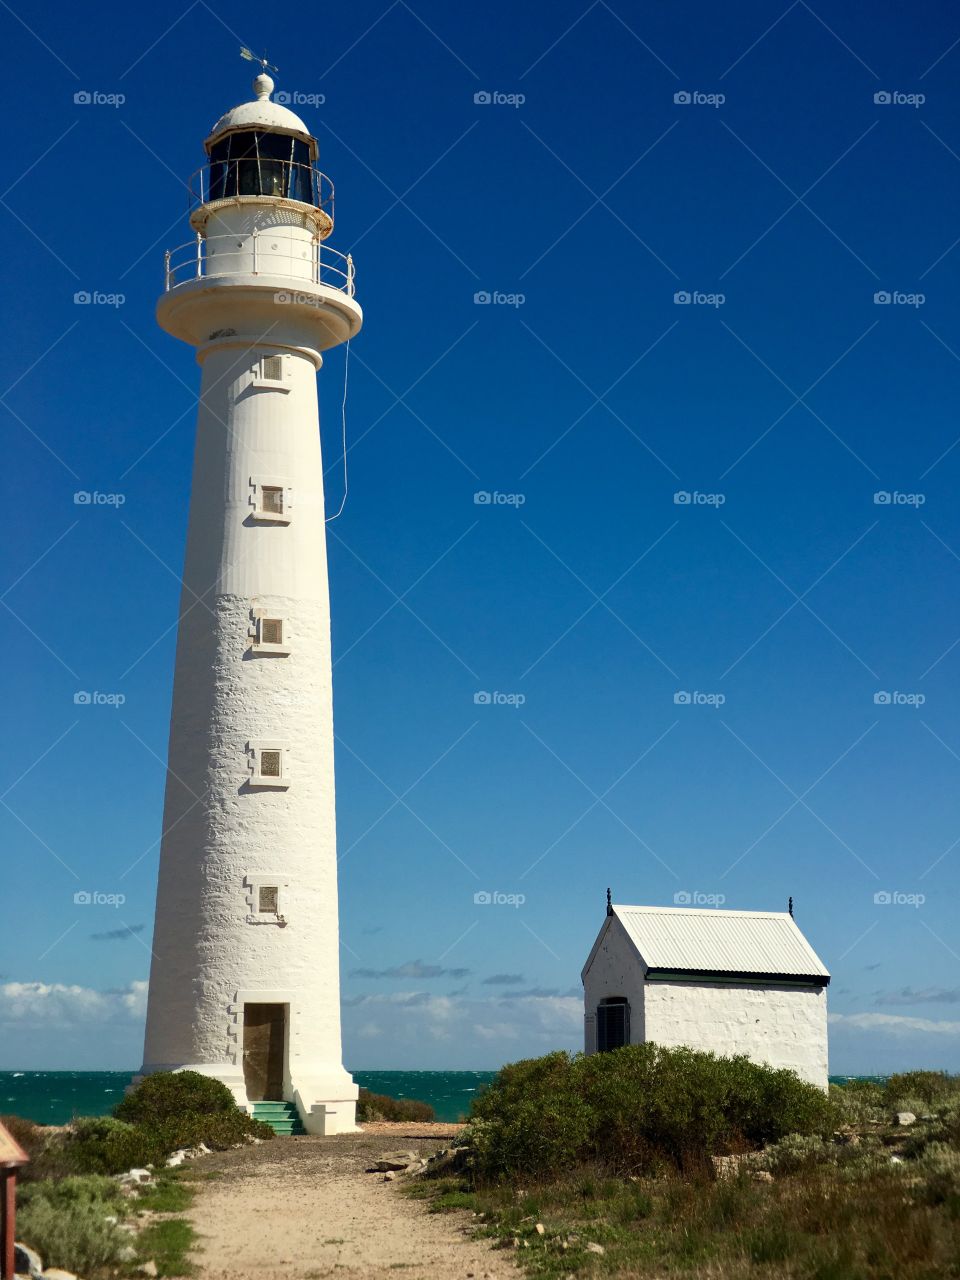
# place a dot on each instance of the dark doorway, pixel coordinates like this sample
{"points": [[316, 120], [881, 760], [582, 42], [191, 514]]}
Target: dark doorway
{"points": [[264, 1033], [613, 1024]]}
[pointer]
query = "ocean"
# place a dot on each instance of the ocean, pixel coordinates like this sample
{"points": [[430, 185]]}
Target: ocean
{"points": [[55, 1097]]}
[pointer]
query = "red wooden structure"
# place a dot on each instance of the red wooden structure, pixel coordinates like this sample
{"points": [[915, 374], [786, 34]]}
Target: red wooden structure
{"points": [[12, 1157]]}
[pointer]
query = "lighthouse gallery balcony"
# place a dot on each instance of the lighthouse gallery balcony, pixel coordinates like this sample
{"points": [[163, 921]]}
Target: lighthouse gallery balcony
{"points": [[283, 251]]}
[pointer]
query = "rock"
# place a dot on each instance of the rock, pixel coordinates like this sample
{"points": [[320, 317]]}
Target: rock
{"points": [[395, 1161], [54, 1273], [593, 1247], [111, 1219], [728, 1166], [127, 1254], [27, 1261], [540, 1229], [904, 1118], [135, 1176], [761, 1175], [148, 1268], [390, 1176], [176, 1159]]}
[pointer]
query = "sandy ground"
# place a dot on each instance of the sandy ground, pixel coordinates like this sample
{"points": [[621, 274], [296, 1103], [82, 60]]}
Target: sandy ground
{"points": [[302, 1208]]}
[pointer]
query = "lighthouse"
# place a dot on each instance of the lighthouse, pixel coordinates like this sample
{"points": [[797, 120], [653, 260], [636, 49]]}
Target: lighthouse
{"points": [[244, 982]]}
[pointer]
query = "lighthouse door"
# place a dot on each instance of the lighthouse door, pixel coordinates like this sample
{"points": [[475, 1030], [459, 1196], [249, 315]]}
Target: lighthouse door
{"points": [[264, 1032]]}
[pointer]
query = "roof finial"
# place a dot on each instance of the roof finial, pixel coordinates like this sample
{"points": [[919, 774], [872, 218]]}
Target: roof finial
{"points": [[790, 906], [609, 904]]}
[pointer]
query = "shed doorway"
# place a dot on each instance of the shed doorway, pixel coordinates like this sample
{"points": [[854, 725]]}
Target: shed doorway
{"points": [[264, 1051]]}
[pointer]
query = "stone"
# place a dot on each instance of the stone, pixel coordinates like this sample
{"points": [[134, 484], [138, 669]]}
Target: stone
{"points": [[148, 1268], [905, 1117], [55, 1273], [390, 1176], [761, 1175], [176, 1159], [27, 1261], [395, 1161], [136, 1176], [540, 1229], [593, 1247], [127, 1254]]}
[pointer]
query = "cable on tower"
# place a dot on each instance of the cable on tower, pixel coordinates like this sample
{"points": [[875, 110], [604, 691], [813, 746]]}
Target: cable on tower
{"points": [[343, 420]]}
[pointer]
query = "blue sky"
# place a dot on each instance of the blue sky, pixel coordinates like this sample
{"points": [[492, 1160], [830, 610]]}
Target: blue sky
{"points": [[783, 198]]}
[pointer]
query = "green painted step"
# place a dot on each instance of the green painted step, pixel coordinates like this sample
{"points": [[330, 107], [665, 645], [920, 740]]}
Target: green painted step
{"points": [[282, 1117]]}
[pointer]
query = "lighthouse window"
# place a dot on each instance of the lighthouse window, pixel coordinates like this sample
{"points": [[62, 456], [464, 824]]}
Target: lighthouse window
{"points": [[270, 764], [271, 369], [271, 500], [271, 631], [252, 163], [268, 899]]}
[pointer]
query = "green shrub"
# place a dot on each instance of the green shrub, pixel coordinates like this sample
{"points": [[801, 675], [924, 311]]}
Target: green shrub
{"points": [[166, 1095], [921, 1089], [635, 1109], [377, 1106], [218, 1131], [104, 1145], [858, 1101], [939, 1168], [66, 1222]]}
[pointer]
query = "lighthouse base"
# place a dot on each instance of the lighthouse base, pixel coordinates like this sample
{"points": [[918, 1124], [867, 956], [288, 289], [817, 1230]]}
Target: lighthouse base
{"points": [[326, 1101]]}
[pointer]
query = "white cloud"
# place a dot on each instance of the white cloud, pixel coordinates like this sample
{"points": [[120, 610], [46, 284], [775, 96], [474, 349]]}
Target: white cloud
{"points": [[59, 1004], [895, 1024]]}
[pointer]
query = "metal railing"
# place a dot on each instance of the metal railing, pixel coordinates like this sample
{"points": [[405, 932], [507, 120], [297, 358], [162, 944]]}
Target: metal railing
{"points": [[231, 255], [256, 176]]}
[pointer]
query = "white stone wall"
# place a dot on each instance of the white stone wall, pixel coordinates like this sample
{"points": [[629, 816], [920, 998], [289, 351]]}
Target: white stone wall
{"points": [[783, 1027], [780, 1027], [218, 829]]}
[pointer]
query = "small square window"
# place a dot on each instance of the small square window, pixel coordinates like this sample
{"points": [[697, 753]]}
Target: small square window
{"points": [[271, 631], [271, 499], [270, 764], [271, 369], [268, 899]]}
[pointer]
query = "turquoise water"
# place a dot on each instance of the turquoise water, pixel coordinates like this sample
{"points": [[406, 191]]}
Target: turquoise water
{"points": [[54, 1097]]}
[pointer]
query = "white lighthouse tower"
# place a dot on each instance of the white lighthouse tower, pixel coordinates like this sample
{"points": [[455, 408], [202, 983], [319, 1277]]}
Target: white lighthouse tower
{"points": [[245, 984]]}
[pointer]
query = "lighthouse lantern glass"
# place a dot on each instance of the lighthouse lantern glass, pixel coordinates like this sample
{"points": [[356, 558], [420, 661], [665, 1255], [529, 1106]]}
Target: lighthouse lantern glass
{"points": [[256, 163]]}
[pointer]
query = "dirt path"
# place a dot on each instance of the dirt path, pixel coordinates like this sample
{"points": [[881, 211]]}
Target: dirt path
{"points": [[302, 1209]]}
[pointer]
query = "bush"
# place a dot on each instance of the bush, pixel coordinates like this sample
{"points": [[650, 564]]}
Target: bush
{"points": [[166, 1095], [858, 1101], [377, 1106], [924, 1089], [219, 1131], [30, 1136], [103, 1145], [634, 1110], [66, 1222]]}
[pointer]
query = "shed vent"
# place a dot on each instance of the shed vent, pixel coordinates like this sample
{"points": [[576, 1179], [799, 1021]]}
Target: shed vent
{"points": [[270, 764], [271, 631], [272, 499], [267, 899], [272, 369], [613, 1024]]}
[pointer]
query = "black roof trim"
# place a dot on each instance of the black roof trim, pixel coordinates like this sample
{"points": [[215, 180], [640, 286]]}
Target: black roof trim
{"points": [[726, 975]]}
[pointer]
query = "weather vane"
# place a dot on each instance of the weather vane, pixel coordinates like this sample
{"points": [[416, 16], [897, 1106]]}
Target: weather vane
{"points": [[252, 57]]}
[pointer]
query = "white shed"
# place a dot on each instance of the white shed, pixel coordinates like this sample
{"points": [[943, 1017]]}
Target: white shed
{"points": [[730, 982]]}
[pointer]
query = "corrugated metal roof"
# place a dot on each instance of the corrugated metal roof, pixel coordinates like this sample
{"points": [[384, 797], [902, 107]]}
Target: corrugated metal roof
{"points": [[707, 940]]}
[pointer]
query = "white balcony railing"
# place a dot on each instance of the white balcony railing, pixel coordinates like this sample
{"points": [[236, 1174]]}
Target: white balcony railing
{"points": [[259, 253]]}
